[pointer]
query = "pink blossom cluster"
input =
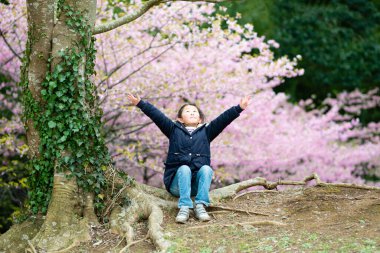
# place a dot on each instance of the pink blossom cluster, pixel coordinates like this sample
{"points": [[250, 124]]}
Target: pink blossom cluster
{"points": [[12, 44]]}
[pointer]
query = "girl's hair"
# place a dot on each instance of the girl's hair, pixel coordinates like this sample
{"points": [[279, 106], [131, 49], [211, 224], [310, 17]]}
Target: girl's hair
{"points": [[201, 115]]}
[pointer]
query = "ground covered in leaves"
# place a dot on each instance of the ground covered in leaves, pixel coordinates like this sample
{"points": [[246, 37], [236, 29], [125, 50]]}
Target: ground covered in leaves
{"points": [[314, 219]]}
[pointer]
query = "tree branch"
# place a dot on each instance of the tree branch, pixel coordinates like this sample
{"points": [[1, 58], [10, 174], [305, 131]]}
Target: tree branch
{"points": [[144, 8], [9, 46], [125, 19]]}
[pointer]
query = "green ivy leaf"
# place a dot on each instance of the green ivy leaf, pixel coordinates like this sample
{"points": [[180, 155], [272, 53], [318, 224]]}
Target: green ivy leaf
{"points": [[62, 139], [62, 77], [52, 84], [52, 124], [58, 68], [66, 159]]}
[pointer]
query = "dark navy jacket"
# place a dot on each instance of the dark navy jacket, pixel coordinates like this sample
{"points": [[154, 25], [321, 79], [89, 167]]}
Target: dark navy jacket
{"points": [[185, 148]]}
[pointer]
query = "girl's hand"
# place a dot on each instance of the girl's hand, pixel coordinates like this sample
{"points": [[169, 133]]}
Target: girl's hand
{"points": [[244, 102], [134, 100]]}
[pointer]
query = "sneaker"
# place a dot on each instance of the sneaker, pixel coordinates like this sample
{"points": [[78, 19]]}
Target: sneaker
{"points": [[200, 213], [183, 215]]}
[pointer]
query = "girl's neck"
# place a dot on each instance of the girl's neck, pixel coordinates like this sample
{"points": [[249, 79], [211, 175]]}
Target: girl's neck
{"points": [[190, 125]]}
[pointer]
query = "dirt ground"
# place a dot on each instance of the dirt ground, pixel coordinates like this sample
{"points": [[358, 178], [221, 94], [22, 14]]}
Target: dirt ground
{"points": [[314, 219]]}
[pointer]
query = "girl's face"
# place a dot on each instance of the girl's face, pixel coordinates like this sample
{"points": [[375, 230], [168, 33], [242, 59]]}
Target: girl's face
{"points": [[190, 116]]}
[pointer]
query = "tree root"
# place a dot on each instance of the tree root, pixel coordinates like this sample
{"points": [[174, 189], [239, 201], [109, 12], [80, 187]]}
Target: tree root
{"points": [[33, 250], [88, 210], [233, 190], [157, 192], [147, 200], [141, 208]]}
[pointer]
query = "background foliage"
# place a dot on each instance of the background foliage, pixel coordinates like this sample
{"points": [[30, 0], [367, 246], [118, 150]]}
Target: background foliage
{"points": [[338, 41]]}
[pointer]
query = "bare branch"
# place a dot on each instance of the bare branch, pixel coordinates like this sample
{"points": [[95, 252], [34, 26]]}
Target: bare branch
{"points": [[125, 19], [149, 4], [127, 133], [143, 65], [9, 46], [114, 70]]}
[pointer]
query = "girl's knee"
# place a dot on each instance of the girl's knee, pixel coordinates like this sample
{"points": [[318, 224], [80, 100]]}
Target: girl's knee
{"points": [[184, 169], [205, 169]]}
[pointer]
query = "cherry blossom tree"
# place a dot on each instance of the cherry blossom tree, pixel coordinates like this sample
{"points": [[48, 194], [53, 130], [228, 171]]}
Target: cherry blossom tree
{"points": [[173, 53]]}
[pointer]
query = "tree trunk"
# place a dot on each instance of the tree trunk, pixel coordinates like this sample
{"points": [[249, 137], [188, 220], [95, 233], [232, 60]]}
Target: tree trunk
{"points": [[50, 34]]}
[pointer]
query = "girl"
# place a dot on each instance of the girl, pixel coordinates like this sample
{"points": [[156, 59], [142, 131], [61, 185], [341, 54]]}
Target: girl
{"points": [[187, 167]]}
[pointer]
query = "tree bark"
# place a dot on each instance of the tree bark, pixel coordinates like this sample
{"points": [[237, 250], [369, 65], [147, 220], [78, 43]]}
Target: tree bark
{"points": [[48, 35], [40, 15]]}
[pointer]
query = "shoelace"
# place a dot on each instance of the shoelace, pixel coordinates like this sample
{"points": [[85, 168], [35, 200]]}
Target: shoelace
{"points": [[183, 212], [201, 210]]}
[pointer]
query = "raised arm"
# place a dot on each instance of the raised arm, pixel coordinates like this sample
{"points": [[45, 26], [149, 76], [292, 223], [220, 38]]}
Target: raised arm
{"points": [[164, 123], [223, 120]]}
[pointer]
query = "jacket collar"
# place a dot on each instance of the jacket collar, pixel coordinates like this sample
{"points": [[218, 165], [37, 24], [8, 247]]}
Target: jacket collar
{"points": [[183, 127]]}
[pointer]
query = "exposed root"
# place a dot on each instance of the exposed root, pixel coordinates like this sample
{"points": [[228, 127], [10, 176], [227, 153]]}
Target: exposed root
{"points": [[88, 210], [232, 190], [33, 250], [141, 208], [117, 219], [155, 231], [238, 210], [157, 192], [121, 219], [344, 185]]}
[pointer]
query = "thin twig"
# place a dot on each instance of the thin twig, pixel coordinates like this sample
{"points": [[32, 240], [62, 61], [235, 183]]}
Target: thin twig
{"points": [[9, 46], [117, 245], [254, 191], [143, 65], [264, 222], [239, 210], [114, 200], [218, 212], [132, 243]]}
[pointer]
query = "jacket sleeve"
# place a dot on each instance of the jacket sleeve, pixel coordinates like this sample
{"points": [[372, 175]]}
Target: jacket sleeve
{"points": [[222, 121], [164, 123]]}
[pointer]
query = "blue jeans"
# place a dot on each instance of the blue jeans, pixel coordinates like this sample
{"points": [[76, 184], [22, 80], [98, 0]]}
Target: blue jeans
{"points": [[184, 187]]}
